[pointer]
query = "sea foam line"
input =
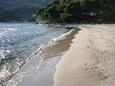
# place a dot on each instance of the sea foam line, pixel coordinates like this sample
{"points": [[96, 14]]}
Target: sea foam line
{"points": [[39, 51]]}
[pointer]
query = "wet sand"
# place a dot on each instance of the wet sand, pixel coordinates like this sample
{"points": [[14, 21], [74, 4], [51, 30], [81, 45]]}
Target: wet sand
{"points": [[90, 61], [40, 69]]}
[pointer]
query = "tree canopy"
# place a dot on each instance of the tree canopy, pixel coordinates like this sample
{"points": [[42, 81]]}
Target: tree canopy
{"points": [[77, 10]]}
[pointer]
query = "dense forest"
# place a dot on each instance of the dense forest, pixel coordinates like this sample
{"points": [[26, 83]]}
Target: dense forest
{"points": [[20, 10], [69, 11]]}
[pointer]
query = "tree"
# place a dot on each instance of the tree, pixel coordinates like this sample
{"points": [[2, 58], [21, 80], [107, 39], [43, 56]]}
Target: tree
{"points": [[76, 10]]}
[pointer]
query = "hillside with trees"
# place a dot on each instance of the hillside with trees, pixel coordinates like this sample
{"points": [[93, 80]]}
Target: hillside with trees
{"points": [[69, 11], [20, 10]]}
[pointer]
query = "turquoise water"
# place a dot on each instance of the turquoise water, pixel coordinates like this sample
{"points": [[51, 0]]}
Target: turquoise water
{"points": [[19, 40]]}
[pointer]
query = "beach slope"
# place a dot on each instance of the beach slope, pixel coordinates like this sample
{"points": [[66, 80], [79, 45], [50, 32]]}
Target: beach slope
{"points": [[90, 61]]}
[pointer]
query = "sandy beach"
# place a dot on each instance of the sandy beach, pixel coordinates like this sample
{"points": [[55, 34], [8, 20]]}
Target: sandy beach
{"points": [[90, 61], [40, 69], [81, 57]]}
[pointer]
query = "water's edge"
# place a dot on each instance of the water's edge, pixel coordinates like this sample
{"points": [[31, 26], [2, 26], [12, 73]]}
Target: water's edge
{"points": [[9, 76], [46, 54]]}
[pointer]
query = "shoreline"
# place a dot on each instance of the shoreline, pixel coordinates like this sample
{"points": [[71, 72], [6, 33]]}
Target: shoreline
{"points": [[48, 53], [9, 71], [90, 59]]}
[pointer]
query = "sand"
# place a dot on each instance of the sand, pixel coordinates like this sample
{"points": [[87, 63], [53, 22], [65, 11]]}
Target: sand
{"points": [[90, 61], [40, 69]]}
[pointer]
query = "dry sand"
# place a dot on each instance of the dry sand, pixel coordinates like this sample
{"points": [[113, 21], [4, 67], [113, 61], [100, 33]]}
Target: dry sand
{"points": [[90, 61]]}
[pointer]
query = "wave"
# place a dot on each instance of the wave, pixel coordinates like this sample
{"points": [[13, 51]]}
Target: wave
{"points": [[39, 52], [18, 43], [5, 31]]}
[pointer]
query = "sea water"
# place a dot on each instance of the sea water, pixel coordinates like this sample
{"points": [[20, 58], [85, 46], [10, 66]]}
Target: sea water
{"points": [[18, 41]]}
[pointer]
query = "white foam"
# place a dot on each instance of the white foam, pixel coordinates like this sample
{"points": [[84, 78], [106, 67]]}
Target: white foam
{"points": [[2, 54], [5, 71], [6, 31], [19, 76], [8, 51], [62, 36]]}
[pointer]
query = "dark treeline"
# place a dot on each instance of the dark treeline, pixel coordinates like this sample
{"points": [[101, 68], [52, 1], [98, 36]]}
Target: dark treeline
{"points": [[68, 11], [20, 10], [17, 14]]}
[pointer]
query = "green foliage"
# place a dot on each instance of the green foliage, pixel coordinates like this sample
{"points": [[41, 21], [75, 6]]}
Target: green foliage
{"points": [[65, 17], [77, 10]]}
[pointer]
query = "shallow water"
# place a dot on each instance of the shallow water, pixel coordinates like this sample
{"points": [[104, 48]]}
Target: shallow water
{"points": [[40, 69], [19, 40]]}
